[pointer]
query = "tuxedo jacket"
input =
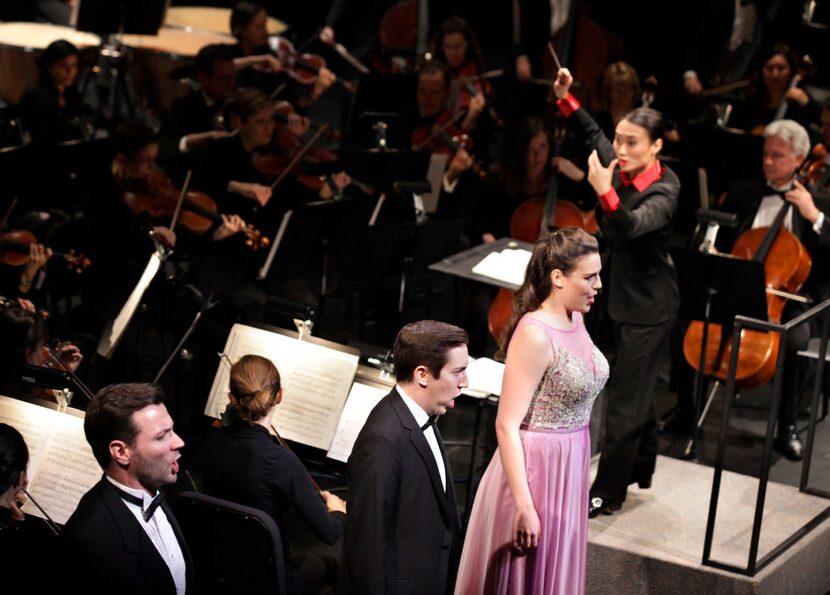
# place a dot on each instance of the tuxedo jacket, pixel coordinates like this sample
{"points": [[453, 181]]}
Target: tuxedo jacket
{"points": [[107, 551], [402, 529], [744, 198]]}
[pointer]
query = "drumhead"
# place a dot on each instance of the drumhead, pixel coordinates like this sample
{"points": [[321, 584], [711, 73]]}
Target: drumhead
{"points": [[208, 18], [174, 41], [37, 36]]}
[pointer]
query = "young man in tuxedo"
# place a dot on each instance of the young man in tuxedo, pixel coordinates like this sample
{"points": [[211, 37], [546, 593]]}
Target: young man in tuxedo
{"points": [[123, 537], [403, 529]]}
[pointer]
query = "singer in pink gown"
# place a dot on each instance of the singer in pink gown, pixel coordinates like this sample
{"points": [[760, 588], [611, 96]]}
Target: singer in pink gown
{"points": [[528, 530]]}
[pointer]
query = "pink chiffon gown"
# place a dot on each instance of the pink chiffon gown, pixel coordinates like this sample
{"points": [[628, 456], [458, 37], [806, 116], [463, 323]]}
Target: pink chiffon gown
{"points": [[557, 450]]}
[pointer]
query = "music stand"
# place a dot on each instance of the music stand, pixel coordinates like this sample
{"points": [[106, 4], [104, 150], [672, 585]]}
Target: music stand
{"points": [[715, 289], [305, 238], [107, 18], [378, 93]]}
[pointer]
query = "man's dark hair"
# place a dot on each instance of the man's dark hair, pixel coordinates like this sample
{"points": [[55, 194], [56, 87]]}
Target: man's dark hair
{"points": [[433, 67], [425, 343], [210, 55], [131, 136], [109, 415]]}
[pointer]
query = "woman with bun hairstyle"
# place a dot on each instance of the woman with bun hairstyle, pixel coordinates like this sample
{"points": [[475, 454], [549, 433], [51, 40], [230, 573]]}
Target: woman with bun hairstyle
{"points": [[245, 464]]}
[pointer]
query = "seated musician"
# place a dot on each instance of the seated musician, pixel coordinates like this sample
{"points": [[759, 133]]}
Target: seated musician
{"points": [[23, 545], [117, 240], [776, 92], [456, 46], [756, 203], [26, 281], [24, 337], [51, 110], [193, 119], [256, 64], [244, 463]]}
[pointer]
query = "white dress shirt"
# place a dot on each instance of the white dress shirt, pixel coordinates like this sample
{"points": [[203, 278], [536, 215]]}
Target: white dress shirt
{"points": [[422, 417], [160, 532]]}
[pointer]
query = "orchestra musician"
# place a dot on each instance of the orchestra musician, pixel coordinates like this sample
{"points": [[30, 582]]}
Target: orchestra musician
{"points": [[123, 537], [244, 463], [24, 337], [456, 46], [639, 203], [52, 110], [256, 64], [192, 121], [756, 202]]}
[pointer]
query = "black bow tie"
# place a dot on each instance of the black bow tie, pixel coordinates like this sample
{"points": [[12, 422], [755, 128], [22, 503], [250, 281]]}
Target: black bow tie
{"points": [[148, 513], [430, 422], [770, 191]]}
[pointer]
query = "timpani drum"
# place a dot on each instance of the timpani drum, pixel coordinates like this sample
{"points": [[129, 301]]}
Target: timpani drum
{"points": [[152, 59], [22, 43], [208, 18]]}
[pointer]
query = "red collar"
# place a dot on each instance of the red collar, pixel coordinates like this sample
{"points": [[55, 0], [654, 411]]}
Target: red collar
{"points": [[645, 178]]}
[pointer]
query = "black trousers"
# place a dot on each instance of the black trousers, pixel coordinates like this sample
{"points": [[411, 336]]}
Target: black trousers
{"points": [[630, 449]]}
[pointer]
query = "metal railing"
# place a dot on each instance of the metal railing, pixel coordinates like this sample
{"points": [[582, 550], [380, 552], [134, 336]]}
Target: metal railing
{"points": [[741, 323]]}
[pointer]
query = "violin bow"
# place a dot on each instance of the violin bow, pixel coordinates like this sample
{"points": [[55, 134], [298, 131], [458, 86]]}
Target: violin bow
{"points": [[49, 521], [300, 154], [78, 382], [440, 130], [183, 193], [8, 213]]}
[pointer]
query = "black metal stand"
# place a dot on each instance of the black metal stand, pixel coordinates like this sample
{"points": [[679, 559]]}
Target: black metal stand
{"points": [[207, 304]]}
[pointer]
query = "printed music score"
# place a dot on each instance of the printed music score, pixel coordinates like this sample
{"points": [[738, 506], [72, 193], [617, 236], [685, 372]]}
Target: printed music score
{"points": [[362, 399], [315, 380], [484, 376], [61, 465], [508, 265]]}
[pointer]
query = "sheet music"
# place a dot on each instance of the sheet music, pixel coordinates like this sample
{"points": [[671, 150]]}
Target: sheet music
{"points": [[485, 376], [508, 265], [435, 177], [315, 381], [362, 399], [61, 465]]}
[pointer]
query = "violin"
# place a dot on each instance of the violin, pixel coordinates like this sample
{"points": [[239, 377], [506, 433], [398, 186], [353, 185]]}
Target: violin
{"points": [[468, 83], [14, 251], [199, 212], [443, 137], [304, 68]]}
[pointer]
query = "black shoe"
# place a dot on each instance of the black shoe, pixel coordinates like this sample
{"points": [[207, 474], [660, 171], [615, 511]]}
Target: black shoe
{"points": [[644, 484], [788, 444], [599, 506]]}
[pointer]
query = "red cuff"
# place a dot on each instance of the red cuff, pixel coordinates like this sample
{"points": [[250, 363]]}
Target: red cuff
{"points": [[568, 105], [610, 201]]}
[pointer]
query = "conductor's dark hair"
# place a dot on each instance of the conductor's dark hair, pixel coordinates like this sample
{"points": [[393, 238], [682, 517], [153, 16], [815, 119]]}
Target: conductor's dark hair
{"points": [[425, 343], [109, 415], [242, 14], [14, 456], [650, 119], [210, 54], [131, 136]]}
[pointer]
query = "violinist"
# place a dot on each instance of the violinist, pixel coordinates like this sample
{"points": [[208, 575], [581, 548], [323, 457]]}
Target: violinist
{"points": [[786, 144], [192, 121], [22, 544], [52, 110], [25, 282], [777, 92], [24, 337], [255, 63], [456, 46], [638, 209]]}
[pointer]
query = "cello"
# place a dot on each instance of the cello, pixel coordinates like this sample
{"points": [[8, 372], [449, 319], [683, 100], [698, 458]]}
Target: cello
{"points": [[787, 265]]}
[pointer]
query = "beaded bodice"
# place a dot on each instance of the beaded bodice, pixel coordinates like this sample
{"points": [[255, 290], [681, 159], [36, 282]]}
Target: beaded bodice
{"points": [[566, 393]]}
